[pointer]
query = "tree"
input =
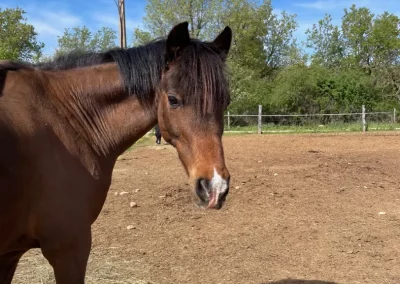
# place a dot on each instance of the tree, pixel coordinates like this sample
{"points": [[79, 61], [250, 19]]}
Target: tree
{"points": [[18, 39], [246, 20], [385, 44], [327, 42], [161, 15], [279, 43], [263, 42], [82, 39], [356, 27]]}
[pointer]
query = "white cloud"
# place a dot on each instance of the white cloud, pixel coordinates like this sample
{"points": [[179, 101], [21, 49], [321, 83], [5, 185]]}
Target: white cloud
{"points": [[60, 18], [44, 29], [327, 5], [49, 25]]}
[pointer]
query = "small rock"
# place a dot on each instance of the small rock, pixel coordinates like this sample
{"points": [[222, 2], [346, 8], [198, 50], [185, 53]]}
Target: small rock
{"points": [[133, 204], [115, 193], [382, 213], [162, 196], [275, 174], [365, 187], [123, 193], [130, 227], [237, 187], [136, 190]]}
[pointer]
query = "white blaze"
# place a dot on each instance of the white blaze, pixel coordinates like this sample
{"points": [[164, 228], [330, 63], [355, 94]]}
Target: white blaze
{"points": [[218, 184]]}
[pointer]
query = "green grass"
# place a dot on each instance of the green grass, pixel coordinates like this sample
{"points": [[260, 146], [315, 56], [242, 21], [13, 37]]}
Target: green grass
{"points": [[150, 139], [334, 127], [146, 140]]}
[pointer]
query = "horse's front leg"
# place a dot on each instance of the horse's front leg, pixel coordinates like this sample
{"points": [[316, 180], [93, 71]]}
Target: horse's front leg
{"points": [[68, 255], [8, 265]]}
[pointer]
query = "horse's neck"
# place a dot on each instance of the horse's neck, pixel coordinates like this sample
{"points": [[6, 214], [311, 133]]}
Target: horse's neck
{"points": [[102, 113]]}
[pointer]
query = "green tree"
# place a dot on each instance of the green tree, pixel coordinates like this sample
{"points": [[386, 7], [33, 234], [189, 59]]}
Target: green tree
{"points": [[82, 39], [161, 15], [262, 39], [18, 39], [279, 43], [357, 27], [385, 39], [262, 43], [385, 44], [246, 20], [327, 43]]}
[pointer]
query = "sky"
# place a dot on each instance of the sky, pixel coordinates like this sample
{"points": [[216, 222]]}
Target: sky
{"points": [[51, 17]]}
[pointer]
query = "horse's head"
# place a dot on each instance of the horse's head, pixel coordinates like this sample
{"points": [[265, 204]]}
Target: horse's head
{"points": [[193, 96]]}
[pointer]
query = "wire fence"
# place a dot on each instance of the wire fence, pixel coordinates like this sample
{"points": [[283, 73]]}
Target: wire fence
{"points": [[358, 121]]}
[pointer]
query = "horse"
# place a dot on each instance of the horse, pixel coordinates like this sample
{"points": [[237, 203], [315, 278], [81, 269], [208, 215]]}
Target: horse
{"points": [[158, 134], [64, 123]]}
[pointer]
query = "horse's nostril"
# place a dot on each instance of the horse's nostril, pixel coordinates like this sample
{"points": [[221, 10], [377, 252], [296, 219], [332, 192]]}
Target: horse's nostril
{"points": [[202, 189]]}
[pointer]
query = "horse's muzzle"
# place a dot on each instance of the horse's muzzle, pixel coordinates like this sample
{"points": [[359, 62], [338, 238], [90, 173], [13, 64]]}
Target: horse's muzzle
{"points": [[211, 195]]}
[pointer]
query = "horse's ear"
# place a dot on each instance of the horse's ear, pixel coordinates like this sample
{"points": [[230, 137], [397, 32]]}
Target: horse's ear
{"points": [[223, 40], [178, 39]]}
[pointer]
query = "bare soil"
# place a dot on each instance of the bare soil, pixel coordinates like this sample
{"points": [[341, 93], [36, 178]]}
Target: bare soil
{"points": [[315, 208]]}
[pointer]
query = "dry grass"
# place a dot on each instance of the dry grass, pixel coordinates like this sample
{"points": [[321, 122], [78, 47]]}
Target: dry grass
{"points": [[104, 267]]}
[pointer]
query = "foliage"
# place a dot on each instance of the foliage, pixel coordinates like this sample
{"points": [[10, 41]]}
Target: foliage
{"points": [[84, 40], [18, 39], [352, 63], [327, 42], [161, 15]]}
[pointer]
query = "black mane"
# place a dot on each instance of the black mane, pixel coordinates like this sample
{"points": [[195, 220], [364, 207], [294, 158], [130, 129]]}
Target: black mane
{"points": [[140, 67], [198, 73]]}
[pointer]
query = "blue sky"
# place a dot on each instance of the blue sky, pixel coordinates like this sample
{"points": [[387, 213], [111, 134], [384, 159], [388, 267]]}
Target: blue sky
{"points": [[51, 17]]}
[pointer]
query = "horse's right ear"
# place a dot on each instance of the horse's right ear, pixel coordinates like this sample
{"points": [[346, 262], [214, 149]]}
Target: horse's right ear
{"points": [[177, 40]]}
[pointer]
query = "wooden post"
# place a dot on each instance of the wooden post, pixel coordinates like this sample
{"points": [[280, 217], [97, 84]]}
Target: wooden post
{"points": [[259, 119], [122, 24], [394, 115], [229, 121], [364, 122]]}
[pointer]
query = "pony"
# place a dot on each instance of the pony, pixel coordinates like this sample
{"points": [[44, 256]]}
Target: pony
{"points": [[64, 123]]}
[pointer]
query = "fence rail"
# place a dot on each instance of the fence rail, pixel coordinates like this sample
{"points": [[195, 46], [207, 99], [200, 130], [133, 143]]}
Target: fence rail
{"points": [[260, 121]]}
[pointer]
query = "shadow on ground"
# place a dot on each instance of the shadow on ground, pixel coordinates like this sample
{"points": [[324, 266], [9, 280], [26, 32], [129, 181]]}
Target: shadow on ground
{"points": [[298, 281]]}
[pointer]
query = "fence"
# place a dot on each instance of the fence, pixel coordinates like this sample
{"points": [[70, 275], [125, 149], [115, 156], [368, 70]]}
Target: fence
{"points": [[359, 121]]}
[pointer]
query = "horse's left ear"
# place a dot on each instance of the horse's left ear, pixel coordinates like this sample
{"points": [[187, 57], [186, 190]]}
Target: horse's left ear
{"points": [[223, 40], [178, 38]]}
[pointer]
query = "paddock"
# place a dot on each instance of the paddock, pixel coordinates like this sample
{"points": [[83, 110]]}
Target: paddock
{"points": [[301, 208]]}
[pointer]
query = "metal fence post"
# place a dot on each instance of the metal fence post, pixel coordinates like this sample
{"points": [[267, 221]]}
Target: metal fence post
{"points": [[394, 115], [229, 121], [364, 121], [259, 118]]}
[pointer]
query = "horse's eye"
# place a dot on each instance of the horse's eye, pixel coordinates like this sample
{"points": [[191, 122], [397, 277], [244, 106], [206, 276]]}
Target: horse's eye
{"points": [[173, 101]]}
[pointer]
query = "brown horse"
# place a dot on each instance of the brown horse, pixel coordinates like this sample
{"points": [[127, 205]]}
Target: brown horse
{"points": [[64, 123]]}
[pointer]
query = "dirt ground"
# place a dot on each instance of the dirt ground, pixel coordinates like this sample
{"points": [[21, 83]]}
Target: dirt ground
{"points": [[315, 208]]}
